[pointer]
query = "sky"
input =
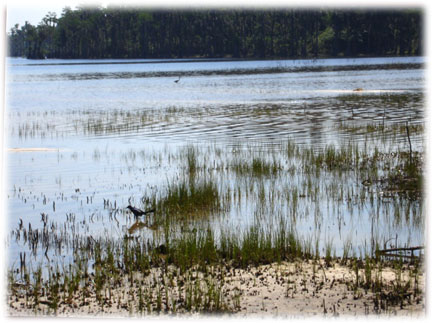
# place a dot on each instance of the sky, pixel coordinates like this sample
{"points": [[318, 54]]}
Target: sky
{"points": [[20, 11]]}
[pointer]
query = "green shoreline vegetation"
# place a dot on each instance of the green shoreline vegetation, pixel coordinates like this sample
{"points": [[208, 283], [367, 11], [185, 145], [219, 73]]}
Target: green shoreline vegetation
{"points": [[127, 32], [183, 268]]}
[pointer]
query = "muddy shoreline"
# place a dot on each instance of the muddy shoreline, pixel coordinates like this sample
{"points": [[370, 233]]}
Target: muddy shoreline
{"points": [[286, 289]]}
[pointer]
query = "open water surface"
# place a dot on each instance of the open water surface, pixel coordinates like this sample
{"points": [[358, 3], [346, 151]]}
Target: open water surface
{"points": [[85, 138]]}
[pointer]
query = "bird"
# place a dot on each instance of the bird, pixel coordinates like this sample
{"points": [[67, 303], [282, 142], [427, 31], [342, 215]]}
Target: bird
{"points": [[138, 212], [176, 81]]}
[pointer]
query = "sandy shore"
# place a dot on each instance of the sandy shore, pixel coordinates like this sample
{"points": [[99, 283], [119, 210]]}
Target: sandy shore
{"points": [[17, 150], [296, 289], [299, 289]]}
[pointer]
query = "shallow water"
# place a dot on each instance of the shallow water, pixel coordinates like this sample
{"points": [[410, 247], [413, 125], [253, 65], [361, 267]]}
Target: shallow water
{"points": [[89, 137]]}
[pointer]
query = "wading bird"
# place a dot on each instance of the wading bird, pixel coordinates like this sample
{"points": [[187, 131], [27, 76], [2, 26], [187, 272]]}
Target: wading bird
{"points": [[138, 212], [176, 81]]}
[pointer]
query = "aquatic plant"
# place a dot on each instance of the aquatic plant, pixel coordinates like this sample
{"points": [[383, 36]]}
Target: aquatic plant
{"points": [[189, 199]]}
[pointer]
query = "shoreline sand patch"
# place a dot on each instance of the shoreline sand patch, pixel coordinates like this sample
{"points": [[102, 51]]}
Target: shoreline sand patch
{"points": [[36, 149], [286, 289]]}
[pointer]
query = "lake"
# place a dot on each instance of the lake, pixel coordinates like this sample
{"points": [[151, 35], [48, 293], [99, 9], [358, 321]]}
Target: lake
{"points": [[86, 138]]}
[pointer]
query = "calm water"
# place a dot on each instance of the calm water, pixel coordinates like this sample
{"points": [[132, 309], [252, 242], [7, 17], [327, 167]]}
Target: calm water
{"points": [[88, 137]]}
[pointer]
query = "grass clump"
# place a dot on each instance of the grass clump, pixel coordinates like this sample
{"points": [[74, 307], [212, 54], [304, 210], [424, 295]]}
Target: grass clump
{"points": [[344, 158], [407, 177], [191, 160], [257, 168], [190, 198], [258, 246], [193, 248]]}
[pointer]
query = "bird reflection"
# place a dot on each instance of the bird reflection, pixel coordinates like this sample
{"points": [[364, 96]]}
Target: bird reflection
{"points": [[139, 225]]}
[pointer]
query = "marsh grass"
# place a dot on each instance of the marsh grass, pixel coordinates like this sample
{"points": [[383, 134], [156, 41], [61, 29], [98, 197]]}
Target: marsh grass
{"points": [[285, 188], [388, 100], [196, 249], [257, 168], [188, 278], [406, 176], [190, 199], [400, 292], [345, 158], [192, 161], [388, 130]]}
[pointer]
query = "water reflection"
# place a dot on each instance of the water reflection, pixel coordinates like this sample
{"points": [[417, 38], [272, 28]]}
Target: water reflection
{"points": [[317, 120], [109, 135], [138, 225]]}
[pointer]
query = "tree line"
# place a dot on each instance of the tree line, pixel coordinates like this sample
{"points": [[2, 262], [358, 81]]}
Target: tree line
{"points": [[115, 32]]}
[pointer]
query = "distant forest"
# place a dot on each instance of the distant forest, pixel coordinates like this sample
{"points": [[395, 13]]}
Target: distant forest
{"points": [[116, 32]]}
